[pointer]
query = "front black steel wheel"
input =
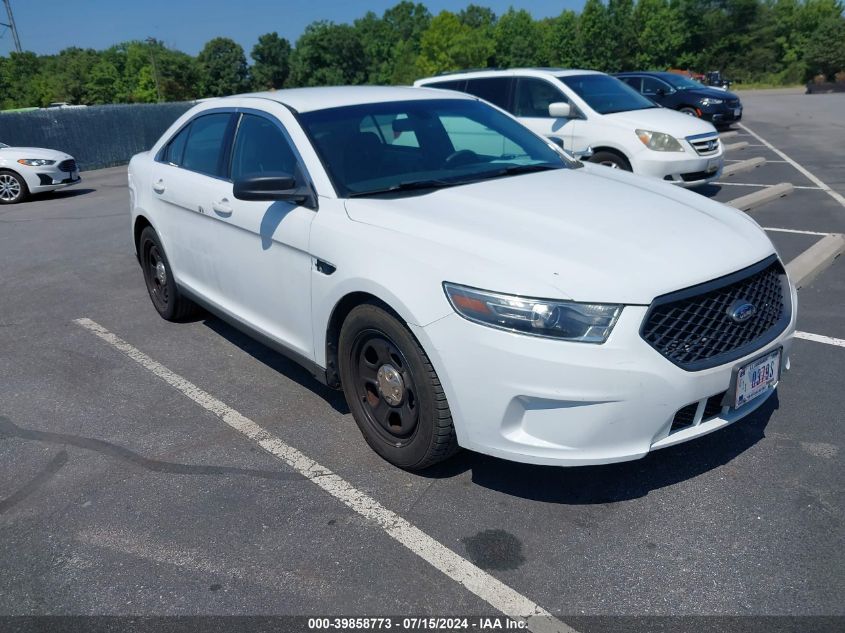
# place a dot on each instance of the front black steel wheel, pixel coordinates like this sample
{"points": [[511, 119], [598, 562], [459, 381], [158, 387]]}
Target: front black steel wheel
{"points": [[393, 391]]}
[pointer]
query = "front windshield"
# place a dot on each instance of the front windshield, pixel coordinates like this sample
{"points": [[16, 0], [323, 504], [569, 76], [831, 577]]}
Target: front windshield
{"points": [[679, 82], [606, 94], [377, 148]]}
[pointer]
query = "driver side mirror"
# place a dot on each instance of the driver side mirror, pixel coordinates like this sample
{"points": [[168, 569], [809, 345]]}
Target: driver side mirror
{"points": [[272, 186], [560, 110]]}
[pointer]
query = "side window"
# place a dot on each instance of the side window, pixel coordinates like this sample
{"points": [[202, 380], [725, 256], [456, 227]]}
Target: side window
{"points": [[650, 86], [496, 90], [176, 147], [533, 97], [260, 146], [634, 82], [204, 147]]}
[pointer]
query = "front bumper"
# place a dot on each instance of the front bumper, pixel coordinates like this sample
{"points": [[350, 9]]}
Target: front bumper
{"points": [[50, 178], [686, 169], [722, 114], [543, 401]]}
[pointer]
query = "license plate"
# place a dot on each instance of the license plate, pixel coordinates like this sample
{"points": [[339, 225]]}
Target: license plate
{"points": [[713, 164], [737, 111], [755, 378]]}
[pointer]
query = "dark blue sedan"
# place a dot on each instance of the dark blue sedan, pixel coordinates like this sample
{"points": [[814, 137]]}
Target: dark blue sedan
{"points": [[690, 97]]}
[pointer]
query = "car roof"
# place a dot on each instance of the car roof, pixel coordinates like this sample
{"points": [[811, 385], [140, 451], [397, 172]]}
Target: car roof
{"points": [[309, 99], [491, 72], [657, 73]]}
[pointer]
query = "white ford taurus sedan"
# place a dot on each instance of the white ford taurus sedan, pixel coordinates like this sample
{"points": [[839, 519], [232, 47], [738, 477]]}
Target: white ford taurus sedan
{"points": [[28, 170], [459, 277]]}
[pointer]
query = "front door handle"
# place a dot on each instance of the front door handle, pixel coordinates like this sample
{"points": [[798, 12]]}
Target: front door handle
{"points": [[158, 187], [222, 207]]}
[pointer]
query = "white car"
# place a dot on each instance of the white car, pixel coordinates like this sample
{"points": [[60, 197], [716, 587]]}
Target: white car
{"points": [[515, 303], [29, 170], [597, 116]]}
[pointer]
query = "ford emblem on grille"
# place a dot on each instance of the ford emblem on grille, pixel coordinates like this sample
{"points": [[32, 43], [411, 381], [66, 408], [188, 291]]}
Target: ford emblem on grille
{"points": [[740, 310]]}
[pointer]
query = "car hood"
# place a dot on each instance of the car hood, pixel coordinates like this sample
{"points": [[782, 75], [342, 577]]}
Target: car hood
{"points": [[662, 120], [589, 234], [34, 152], [712, 93]]}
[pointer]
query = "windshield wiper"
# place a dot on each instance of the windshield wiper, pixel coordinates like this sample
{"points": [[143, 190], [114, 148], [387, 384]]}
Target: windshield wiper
{"points": [[409, 185], [517, 169]]}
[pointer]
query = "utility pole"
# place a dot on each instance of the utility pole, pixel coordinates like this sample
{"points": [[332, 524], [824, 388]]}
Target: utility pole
{"points": [[152, 42], [11, 26]]}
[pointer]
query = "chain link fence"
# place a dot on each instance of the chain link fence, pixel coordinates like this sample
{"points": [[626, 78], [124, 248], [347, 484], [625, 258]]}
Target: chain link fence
{"points": [[96, 136]]}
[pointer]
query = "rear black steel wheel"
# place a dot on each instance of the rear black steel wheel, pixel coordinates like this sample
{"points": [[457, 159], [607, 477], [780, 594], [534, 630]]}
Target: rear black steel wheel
{"points": [[159, 279], [393, 391]]}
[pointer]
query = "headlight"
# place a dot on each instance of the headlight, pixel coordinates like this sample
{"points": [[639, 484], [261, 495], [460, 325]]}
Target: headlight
{"points": [[707, 101], [566, 320], [35, 162], [659, 142]]}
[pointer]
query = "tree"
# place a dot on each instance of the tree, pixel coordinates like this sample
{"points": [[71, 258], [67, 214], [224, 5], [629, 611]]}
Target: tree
{"points": [[561, 41], [516, 38], [223, 69], [825, 54], [660, 35], [595, 36], [449, 44], [328, 54], [619, 19], [272, 61], [102, 84]]}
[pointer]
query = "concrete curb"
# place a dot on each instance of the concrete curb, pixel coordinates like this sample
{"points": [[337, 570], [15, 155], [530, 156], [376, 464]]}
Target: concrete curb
{"points": [[753, 200], [807, 266]]}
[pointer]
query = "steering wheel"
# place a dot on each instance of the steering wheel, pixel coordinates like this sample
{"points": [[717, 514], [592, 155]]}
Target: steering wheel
{"points": [[461, 157]]}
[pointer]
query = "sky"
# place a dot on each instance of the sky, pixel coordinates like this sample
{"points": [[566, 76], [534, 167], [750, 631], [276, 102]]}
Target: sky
{"points": [[48, 26]]}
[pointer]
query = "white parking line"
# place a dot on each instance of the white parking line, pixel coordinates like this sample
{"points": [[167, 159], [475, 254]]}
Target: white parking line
{"points": [[833, 194], [756, 184], [742, 160], [819, 338], [770, 228], [494, 592]]}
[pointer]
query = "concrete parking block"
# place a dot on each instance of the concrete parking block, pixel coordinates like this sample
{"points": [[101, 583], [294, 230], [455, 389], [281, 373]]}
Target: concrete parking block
{"points": [[728, 134], [761, 197], [736, 146], [807, 266], [745, 165]]}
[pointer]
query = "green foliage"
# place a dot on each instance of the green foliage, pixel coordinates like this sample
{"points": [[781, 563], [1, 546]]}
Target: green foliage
{"points": [[771, 42], [328, 54], [449, 44], [272, 62], [223, 69]]}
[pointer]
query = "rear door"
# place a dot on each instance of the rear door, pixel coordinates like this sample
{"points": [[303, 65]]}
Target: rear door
{"points": [[184, 175]]}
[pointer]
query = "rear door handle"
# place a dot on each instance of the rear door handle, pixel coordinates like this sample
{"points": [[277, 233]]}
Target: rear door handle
{"points": [[222, 207], [158, 187]]}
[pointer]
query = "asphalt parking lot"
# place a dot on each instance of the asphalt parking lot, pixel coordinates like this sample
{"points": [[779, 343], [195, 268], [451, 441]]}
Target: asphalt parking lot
{"points": [[123, 492]]}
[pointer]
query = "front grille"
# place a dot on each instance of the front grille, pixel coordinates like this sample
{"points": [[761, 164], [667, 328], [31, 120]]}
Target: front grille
{"points": [[733, 103], [705, 144], [67, 165], [694, 329], [713, 407], [692, 176]]}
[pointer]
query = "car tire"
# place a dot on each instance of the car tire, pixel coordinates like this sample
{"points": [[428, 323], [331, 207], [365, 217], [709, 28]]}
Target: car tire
{"points": [[611, 159], [689, 111], [392, 390], [13, 187], [164, 293]]}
